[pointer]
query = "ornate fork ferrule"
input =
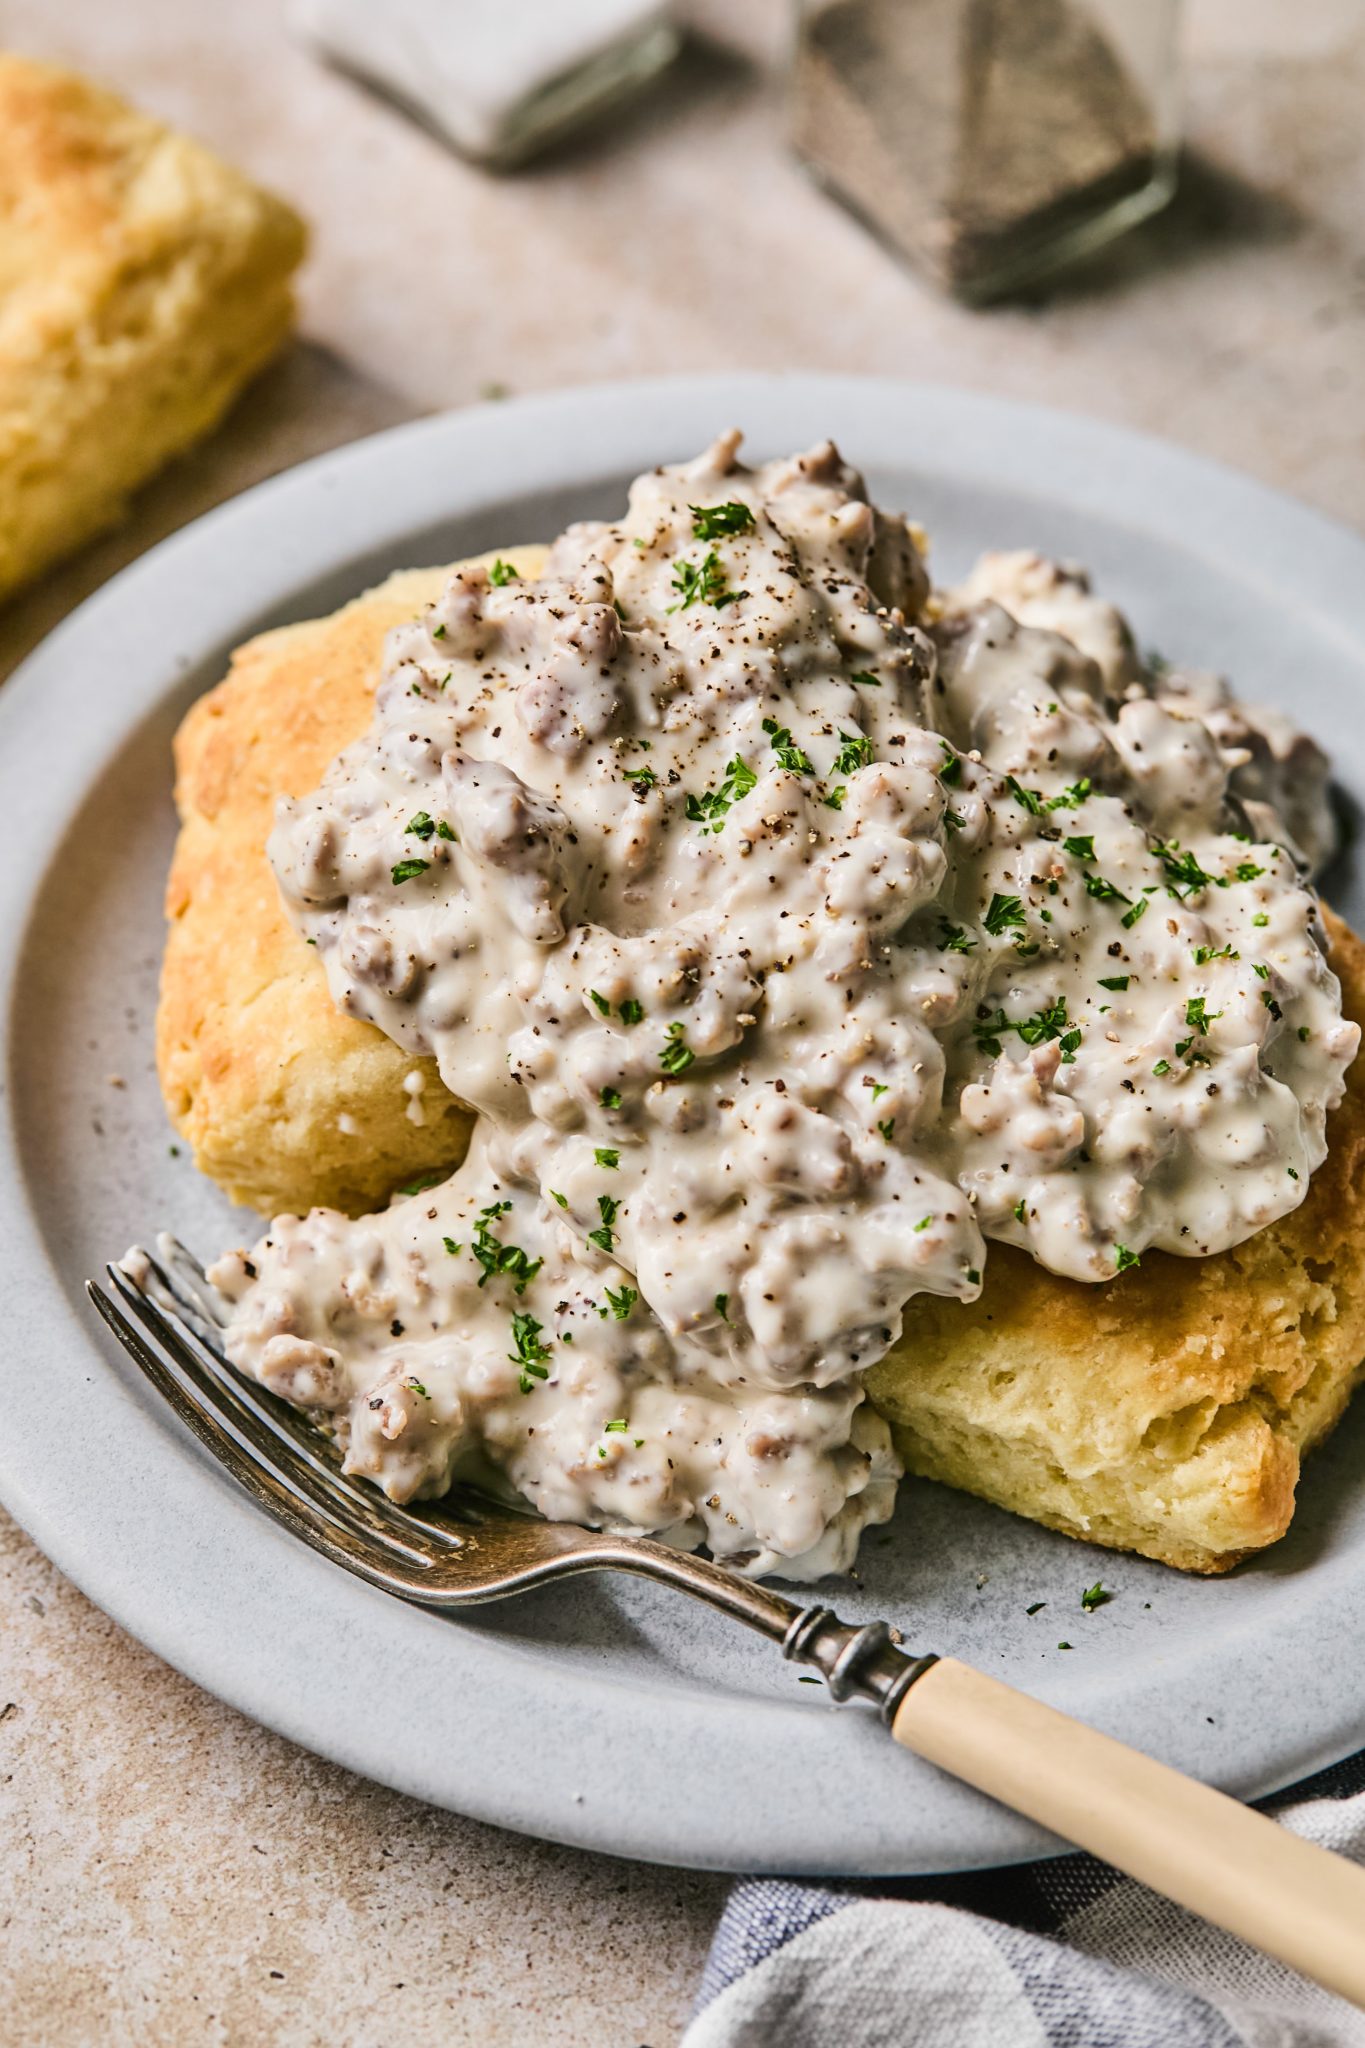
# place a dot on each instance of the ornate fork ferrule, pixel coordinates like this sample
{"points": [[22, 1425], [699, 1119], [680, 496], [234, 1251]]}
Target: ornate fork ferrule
{"points": [[865, 1662]]}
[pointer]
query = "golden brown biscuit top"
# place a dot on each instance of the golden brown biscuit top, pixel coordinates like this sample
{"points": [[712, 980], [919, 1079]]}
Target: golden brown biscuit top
{"points": [[93, 194]]}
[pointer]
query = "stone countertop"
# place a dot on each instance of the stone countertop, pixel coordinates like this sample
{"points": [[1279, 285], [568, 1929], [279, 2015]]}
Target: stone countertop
{"points": [[169, 1872]]}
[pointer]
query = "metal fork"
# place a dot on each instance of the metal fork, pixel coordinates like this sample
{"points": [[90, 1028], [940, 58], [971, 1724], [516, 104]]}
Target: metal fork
{"points": [[1213, 1855]]}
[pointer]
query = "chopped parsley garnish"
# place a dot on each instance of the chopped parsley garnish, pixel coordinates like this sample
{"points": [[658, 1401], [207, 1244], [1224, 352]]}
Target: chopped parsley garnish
{"points": [[1123, 1258], [1004, 912], [1271, 1004], [1260, 970], [425, 1181], [610, 1098], [1019, 1210], [1117, 982], [718, 522], [954, 821], [630, 1011], [1198, 1057], [1082, 844], [1095, 1596], [530, 1353], [1038, 1029], [1139, 909], [1291, 1171], [406, 870], [953, 939], [618, 1426], [503, 572], [1203, 954], [451, 1246], [879, 1088], [888, 1129], [600, 1003], [676, 1055], [702, 581], [1104, 891], [1196, 1014], [621, 1301], [923, 1224], [641, 779], [951, 771], [973, 1277], [604, 1235], [708, 810], [1036, 1608], [555, 1196], [1304, 1034], [1035, 802], [1031, 799], [1260, 920], [438, 632], [1162, 1067], [722, 1307], [1183, 873], [495, 1257], [604, 1156], [421, 825], [1246, 871], [835, 800], [855, 752], [865, 675], [417, 1387], [789, 756]]}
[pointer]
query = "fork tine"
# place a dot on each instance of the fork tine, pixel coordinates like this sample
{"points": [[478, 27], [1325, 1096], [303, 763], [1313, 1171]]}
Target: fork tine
{"points": [[335, 1539], [198, 1318], [198, 1325], [202, 1309], [194, 1294], [189, 1329], [293, 1460]]}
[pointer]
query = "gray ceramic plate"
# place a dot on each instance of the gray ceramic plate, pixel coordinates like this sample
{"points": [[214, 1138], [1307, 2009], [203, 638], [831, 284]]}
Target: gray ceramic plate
{"points": [[611, 1716]]}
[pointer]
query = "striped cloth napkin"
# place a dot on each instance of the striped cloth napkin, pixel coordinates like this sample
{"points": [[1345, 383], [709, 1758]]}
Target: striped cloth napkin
{"points": [[1061, 1954]]}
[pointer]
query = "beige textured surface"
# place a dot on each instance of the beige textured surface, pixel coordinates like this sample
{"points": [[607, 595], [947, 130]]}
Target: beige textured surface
{"points": [[132, 1902]]}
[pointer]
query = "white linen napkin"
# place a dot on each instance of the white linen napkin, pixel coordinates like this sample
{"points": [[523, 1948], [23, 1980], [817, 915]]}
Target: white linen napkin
{"points": [[499, 78]]}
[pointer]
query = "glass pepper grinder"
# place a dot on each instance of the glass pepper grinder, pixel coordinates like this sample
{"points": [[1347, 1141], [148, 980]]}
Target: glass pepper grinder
{"points": [[990, 141]]}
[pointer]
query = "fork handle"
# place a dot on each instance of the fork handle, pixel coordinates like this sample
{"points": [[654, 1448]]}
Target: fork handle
{"points": [[1221, 1859]]}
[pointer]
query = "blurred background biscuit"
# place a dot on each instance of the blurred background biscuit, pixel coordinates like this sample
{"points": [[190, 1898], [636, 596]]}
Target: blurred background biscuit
{"points": [[142, 282]]}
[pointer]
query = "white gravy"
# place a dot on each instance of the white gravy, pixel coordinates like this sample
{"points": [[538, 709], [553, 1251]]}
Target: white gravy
{"points": [[794, 933]]}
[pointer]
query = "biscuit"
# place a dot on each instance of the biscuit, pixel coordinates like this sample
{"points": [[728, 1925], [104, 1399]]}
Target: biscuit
{"points": [[1167, 1412], [142, 282], [285, 1101]]}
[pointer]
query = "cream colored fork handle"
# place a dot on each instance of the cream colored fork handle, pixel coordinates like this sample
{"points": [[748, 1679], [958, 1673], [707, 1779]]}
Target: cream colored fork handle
{"points": [[1217, 1857]]}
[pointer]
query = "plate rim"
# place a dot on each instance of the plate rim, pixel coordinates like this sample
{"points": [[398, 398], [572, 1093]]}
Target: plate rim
{"points": [[276, 539]]}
